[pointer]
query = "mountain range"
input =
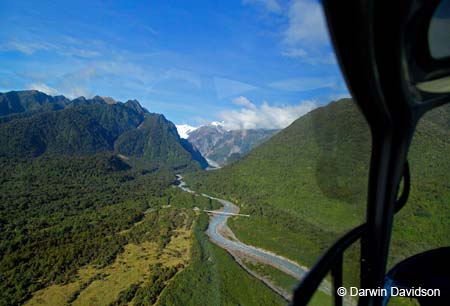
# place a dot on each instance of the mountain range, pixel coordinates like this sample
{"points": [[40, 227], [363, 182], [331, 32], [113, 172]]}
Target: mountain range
{"points": [[220, 146], [35, 124]]}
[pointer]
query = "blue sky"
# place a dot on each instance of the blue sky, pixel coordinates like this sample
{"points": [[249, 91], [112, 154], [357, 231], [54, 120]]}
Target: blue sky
{"points": [[249, 63]]}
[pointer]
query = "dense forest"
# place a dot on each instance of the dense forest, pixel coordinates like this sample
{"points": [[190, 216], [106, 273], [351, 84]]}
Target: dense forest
{"points": [[57, 215]]}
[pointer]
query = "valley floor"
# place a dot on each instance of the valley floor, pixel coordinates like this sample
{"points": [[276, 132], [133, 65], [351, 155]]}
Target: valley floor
{"points": [[184, 268], [276, 272]]}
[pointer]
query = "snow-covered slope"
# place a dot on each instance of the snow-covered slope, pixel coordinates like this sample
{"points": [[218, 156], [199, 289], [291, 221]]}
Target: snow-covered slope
{"points": [[185, 129]]}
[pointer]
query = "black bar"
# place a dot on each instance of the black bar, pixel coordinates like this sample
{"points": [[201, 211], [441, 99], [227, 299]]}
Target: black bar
{"points": [[336, 272]]}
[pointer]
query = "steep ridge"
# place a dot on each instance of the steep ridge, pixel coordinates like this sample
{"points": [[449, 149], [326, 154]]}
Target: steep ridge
{"points": [[74, 131], [29, 100], [26, 102], [157, 139]]}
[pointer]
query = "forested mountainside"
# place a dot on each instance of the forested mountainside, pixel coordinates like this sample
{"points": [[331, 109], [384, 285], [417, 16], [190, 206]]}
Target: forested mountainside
{"points": [[55, 126], [307, 185]]}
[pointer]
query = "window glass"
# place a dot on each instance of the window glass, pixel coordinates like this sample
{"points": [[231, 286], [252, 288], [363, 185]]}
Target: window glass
{"points": [[423, 223], [439, 31]]}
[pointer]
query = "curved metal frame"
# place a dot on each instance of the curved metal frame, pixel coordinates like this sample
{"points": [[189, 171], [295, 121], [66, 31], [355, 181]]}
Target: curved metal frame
{"points": [[331, 260], [380, 48]]}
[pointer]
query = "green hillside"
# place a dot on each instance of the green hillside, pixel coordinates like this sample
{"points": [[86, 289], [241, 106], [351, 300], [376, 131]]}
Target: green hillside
{"points": [[156, 139], [307, 185], [73, 131], [35, 124]]}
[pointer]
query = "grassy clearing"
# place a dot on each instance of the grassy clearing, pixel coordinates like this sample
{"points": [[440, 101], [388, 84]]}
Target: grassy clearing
{"points": [[134, 266], [54, 295], [130, 267]]}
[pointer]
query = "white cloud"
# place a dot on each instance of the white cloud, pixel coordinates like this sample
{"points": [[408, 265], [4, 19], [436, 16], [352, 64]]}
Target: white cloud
{"points": [[306, 36], [243, 101], [78, 91], [25, 47], [295, 52], [306, 24], [71, 47], [265, 116], [303, 84], [270, 5], [326, 59], [114, 72], [71, 85], [70, 91], [42, 87], [316, 58], [76, 84]]}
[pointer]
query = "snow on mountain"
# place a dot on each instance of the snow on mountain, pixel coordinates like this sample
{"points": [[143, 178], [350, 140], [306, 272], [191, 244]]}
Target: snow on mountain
{"points": [[220, 147], [216, 123], [185, 129]]}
